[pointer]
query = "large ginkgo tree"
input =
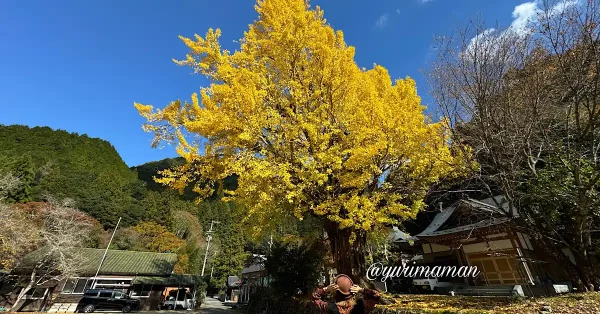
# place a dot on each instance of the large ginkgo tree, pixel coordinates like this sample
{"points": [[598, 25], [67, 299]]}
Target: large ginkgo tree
{"points": [[306, 129]]}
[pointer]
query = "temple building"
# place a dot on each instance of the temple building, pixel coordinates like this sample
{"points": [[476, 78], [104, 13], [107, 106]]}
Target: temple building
{"points": [[485, 233]]}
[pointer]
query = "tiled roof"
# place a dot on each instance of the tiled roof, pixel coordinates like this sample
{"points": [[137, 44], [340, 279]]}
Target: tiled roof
{"points": [[233, 281], [398, 235], [477, 225], [253, 268], [117, 262], [433, 229], [487, 204]]}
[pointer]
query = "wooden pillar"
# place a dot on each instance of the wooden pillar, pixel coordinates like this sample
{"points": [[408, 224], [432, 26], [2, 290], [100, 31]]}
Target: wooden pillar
{"points": [[512, 237], [462, 260]]}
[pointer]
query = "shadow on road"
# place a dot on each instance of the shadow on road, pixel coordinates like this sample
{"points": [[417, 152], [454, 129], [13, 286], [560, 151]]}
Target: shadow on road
{"points": [[216, 311], [214, 306]]}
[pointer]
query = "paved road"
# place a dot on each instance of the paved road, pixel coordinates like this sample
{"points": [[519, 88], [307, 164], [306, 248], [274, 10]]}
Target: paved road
{"points": [[214, 306], [210, 306]]}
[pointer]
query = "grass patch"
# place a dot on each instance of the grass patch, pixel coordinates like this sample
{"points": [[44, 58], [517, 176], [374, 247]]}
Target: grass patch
{"points": [[581, 303]]}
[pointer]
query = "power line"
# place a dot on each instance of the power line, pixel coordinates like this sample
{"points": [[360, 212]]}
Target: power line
{"points": [[106, 251]]}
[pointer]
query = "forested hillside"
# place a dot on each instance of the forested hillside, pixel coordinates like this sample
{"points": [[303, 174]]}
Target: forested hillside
{"points": [[69, 165], [146, 172], [227, 249], [59, 164]]}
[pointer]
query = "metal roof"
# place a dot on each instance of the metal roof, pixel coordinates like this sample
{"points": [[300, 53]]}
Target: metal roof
{"points": [[117, 262], [173, 280]]}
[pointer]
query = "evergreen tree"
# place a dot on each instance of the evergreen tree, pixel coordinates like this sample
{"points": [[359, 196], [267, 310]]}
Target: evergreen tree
{"points": [[23, 168], [69, 165]]}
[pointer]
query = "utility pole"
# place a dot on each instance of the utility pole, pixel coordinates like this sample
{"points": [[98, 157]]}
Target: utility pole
{"points": [[385, 251], [105, 251], [209, 237]]}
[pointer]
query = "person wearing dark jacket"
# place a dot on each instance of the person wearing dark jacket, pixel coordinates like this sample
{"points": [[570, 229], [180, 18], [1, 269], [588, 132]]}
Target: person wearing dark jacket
{"points": [[344, 300]]}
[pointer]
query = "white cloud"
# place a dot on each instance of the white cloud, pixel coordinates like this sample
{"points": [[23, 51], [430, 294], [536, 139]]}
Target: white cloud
{"points": [[425, 1], [398, 11], [524, 15], [483, 36], [382, 21], [527, 13], [482, 43], [562, 6]]}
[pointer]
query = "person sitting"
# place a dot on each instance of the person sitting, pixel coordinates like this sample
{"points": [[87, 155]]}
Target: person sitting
{"points": [[344, 299]]}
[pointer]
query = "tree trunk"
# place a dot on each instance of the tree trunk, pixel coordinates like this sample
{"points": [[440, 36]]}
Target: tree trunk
{"points": [[23, 292], [582, 258], [580, 274], [348, 258], [585, 269]]}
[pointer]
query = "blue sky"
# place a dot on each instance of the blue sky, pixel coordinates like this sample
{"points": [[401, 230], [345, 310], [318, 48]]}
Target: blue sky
{"points": [[79, 65]]}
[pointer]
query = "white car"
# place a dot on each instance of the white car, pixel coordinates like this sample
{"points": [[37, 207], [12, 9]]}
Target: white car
{"points": [[430, 284], [185, 301]]}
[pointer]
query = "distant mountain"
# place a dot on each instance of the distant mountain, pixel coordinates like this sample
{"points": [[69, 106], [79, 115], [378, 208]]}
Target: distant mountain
{"points": [[60, 164], [146, 172], [69, 165]]}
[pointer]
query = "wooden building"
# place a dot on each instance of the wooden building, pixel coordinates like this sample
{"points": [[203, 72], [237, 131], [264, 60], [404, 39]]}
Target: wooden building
{"points": [[253, 278], [484, 233], [142, 275], [233, 288]]}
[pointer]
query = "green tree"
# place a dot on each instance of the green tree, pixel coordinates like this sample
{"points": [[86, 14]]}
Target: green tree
{"points": [[23, 168], [229, 259], [229, 240], [187, 226], [295, 266], [69, 165], [152, 237], [308, 131], [158, 207]]}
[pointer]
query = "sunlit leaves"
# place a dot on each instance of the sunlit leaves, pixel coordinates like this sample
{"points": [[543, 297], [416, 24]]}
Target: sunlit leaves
{"points": [[303, 126]]}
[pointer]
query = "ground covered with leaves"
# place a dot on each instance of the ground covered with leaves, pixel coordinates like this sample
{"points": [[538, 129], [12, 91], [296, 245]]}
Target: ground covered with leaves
{"points": [[581, 303]]}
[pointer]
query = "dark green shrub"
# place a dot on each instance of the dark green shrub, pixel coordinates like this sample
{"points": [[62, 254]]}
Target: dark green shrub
{"points": [[295, 268]]}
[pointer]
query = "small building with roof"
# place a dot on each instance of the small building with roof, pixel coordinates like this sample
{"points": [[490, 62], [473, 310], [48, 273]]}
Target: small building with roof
{"points": [[147, 276], [233, 288], [485, 233], [253, 278]]}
